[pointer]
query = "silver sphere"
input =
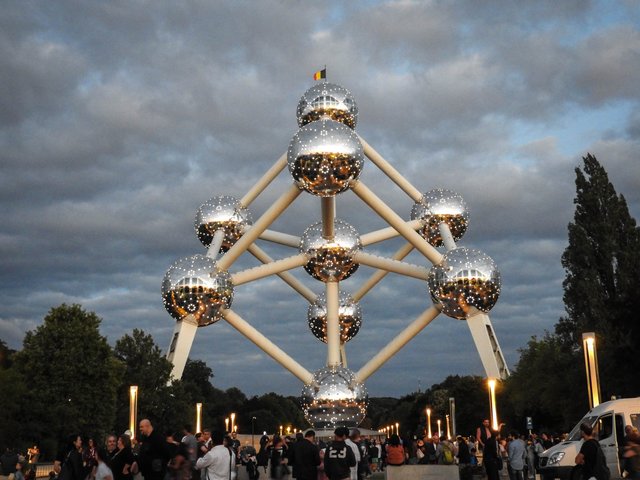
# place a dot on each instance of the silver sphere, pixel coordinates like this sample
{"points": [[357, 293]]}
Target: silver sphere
{"points": [[222, 213], [349, 314], [325, 157], [331, 260], [335, 399], [438, 206], [194, 286], [464, 282], [327, 100]]}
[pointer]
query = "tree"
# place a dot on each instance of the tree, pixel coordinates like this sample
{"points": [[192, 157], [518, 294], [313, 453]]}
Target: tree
{"points": [[602, 262], [146, 367], [72, 376]]}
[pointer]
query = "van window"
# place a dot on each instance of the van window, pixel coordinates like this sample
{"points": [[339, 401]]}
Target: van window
{"points": [[604, 427], [575, 435], [619, 429], [635, 420]]}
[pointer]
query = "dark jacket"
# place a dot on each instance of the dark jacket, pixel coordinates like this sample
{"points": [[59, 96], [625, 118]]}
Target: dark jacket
{"points": [[153, 456], [304, 457], [338, 460]]}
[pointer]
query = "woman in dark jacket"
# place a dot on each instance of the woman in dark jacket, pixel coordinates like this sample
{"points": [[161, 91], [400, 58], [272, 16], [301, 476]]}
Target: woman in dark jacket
{"points": [[73, 467], [123, 462]]}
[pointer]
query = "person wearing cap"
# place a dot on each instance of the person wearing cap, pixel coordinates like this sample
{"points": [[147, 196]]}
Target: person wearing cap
{"points": [[338, 456], [304, 457]]}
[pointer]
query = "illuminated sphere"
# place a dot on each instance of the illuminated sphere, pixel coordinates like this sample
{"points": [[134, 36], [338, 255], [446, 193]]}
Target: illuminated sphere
{"points": [[465, 282], [331, 260], [349, 314], [334, 399], [327, 100], [222, 213], [194, 286], [438, 206], [325, 157]]}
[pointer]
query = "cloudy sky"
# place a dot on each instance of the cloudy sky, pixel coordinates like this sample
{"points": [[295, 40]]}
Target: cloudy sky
{"points": [[119, 119]]}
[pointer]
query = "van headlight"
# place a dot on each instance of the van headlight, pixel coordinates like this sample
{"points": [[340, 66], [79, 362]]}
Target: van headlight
{"points": [[555, 458]]}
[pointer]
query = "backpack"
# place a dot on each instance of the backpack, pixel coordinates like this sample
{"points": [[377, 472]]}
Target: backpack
{"points": [[447, 454]]}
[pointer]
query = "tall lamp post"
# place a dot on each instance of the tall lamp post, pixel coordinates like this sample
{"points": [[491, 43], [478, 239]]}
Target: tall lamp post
{"points": [[233, 421], [253, 419], [492, 404], [198, 417], [591, 366], [133, 409], [397, 429], [448, 427], [452, 412], [429, 422], [439, 428]]}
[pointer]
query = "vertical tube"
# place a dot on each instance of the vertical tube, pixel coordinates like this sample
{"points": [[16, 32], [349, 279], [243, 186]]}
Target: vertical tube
{"points": [[333, 324], [216, 243], [328, 217], [448, 427], [133, 410], [429, 434], [591, 366], [452, 413]]}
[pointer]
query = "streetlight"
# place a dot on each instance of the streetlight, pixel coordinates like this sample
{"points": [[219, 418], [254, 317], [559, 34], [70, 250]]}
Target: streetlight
{"points": [[198, 417], [253, 419], [429, 422], [591, 366], [448, 427], [439, 429], [452, 412], [233, 421], [492, 404], [133, 409], [398, 428], [226, 424]]}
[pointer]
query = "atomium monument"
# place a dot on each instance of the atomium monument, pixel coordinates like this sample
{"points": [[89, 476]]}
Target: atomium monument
{"points": [[325, 158]]}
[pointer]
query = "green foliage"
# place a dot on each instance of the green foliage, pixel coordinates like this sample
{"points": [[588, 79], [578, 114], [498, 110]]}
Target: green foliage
{"points": [[602, 262], [71, 373]]}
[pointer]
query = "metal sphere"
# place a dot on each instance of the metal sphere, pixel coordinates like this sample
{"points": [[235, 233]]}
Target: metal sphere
{"points": [[438, 206], [331, 260], [464, 282], [334, 399], [327, 100], [224, 213], [325, 157], [194, 286], [349, 313]]}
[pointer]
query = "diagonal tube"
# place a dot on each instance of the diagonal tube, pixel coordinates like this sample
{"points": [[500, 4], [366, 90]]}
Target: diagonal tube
{"points": [[251, 235], [264, 182], [393, 219], [386, 233], [267, 346], [397, 343], [271, 268], [391, 265], [289, 279], [373, 280]]}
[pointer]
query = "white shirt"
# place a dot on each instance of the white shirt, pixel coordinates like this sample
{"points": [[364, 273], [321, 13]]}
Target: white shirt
{"points": [[356, 452], [103, 471], [216, 461]]}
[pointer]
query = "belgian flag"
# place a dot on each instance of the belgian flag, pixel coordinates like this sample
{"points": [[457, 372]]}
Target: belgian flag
{"points": [[320, 74]]}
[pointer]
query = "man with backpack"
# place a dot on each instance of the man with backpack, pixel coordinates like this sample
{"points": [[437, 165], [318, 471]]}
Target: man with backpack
{"points": [[447, 452], [591, 456]]}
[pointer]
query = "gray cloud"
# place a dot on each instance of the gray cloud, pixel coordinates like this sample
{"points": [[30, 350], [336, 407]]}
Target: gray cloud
{"points": [[119, 119]]}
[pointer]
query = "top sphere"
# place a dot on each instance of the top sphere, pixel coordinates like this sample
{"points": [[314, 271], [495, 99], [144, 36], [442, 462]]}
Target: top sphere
{"points": [[327, 100], [441, 206], [325, 157], [224, 213]]}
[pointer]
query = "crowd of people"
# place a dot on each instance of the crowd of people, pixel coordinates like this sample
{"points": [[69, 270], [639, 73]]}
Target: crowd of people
{"points": [[215, 455]]}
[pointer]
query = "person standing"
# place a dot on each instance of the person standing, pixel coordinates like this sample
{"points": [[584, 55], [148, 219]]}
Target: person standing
{"points": [[122, 462], [338, 456], [517, 452], [352, 443], [491, 458], [591, 456], [219, 461], [153, 452], [304, 457]]}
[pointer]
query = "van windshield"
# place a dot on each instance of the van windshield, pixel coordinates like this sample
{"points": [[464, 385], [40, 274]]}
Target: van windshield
{"points": [[574, 435]]}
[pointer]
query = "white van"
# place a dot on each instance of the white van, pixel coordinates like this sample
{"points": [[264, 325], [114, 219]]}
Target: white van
{"points": [[609, 420]]}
